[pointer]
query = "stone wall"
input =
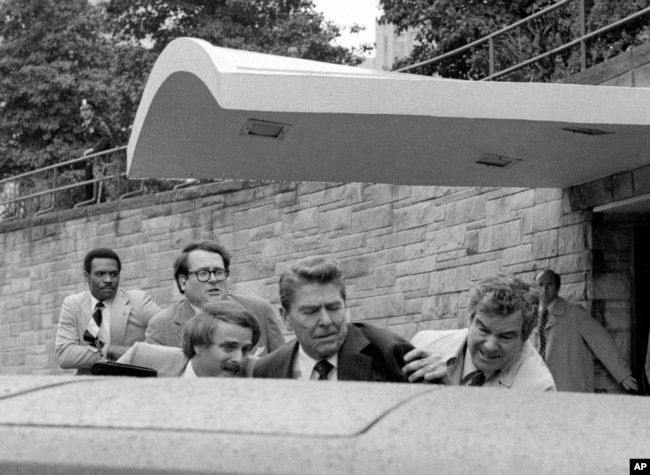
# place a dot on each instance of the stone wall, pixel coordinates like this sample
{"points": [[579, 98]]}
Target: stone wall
{"points": [[410, 253]]}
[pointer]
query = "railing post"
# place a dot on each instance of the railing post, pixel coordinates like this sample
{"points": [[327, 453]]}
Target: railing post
{"points": [[491, 54], [583, 32]]}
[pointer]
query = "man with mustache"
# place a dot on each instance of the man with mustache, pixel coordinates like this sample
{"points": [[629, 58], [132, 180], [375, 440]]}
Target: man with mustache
{"points": [[216, 343], [494, 351], [327, 346], [201, 273], [102, 322]]}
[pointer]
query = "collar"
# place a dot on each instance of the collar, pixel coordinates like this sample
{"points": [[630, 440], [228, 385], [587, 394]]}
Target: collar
{"points": [[94, 301], [189, 371], [306, 364], [468, 366]]}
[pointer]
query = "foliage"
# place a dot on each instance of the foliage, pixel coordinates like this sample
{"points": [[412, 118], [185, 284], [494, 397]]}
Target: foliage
{"points": [[271, 26], [445, 25], [50, 57], [53, 53]]}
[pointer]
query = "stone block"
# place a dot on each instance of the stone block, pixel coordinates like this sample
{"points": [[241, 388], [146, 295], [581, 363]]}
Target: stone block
{"points": [[385, 276], [254, 217], [371, 218], [449, 280], [447, 239], [300, 220], [466, 211], [542, 195], [500, 236], [355, 241], [641, 180], [340, 218], [407, 283], [417, 266], [382, 194], [517, 254], [358, 266], [547, 215], [573, 239], [545, 244], [484, 269], [413, 216]]}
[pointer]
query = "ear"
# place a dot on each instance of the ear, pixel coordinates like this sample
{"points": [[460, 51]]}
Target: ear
{"points": [[182, 281], [284, 315], [198, 349], [86, 276]]}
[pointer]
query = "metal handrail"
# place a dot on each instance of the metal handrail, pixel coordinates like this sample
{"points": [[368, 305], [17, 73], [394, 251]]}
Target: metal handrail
{"points": [[16, 207], [490, 40], [485, 38]]}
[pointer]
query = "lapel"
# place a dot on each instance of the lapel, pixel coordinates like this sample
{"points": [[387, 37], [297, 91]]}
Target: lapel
{"points": [[120, 317], [185, 312], [353, 365], [559, 307], [453, 354], [286, 355], [86, 312]]}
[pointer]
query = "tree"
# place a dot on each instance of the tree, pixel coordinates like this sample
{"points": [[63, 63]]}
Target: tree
{"points": [[50, 56], [270, 26], [445, 25]]}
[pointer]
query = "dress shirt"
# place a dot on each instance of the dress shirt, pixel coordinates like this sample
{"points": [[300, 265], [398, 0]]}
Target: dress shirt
{"points": [[304, 365], [105, 329], [189, 371]]}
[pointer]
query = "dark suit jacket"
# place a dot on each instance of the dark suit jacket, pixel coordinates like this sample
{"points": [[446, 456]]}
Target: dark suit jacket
{"points": [[367, 354]]}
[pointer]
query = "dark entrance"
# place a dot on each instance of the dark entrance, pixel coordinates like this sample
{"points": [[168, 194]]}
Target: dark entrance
{"points": [[641, 314]]}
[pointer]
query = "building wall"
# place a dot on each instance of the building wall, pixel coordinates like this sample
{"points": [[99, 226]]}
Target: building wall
{"points": [[410, 253]]}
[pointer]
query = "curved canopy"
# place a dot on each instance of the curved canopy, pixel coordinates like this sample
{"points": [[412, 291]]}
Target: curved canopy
{"points": [[210, 112]]}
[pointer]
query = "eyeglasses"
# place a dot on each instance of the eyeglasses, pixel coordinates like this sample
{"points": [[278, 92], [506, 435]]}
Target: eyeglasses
{"points": [[203, 275]]}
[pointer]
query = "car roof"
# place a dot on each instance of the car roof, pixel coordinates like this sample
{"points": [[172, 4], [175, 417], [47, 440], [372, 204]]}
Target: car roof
{"points": [[64, 424]]}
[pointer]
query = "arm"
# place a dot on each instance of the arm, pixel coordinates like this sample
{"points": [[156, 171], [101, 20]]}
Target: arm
{"points": [[129, 355], [274, 336], [603, 346], [105, 137], [70, 351]]}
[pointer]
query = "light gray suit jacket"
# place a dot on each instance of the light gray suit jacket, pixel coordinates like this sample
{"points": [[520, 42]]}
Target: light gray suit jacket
{"points": [[572, 338], [166, 328], [131, 312], [169, 361], [527, 371]]}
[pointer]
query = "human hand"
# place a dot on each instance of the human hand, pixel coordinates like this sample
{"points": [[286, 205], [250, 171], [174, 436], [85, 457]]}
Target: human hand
{"points": [[630, 384], [422, 365]]}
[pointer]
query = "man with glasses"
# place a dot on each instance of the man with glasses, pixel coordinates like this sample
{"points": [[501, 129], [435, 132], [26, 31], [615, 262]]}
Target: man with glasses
{"points": [[201, 275]]}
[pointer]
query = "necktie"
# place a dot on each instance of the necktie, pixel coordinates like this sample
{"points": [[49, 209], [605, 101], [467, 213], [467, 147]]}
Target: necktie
{"points": [[475, 378], [542, 335], [323, 368], [91, 335]]}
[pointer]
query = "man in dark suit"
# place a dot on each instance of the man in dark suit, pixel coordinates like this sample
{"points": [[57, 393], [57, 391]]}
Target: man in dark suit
{"points": [[327, 346], [103, 321]]}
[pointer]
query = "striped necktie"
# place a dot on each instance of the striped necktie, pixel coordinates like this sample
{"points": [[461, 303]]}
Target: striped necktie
{"points": [[475, 378], [323, 367], [91, 335], [542, 334]]}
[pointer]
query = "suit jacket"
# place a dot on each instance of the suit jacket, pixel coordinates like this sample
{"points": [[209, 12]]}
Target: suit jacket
{"points": [[169, 361], [166, 328], [367, 354], [571, 337], [527, 371], [131, 312]]}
